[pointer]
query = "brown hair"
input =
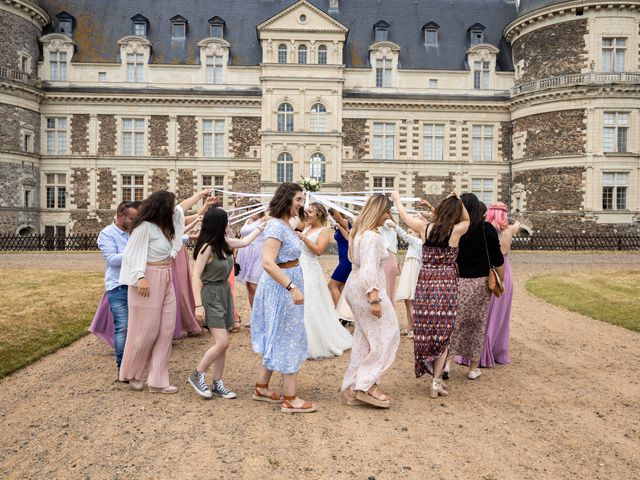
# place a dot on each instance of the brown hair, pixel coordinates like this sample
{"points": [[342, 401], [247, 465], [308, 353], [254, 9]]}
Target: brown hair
{"points": [[445, 216], [157, 209], [280, 204], [321, 211]]}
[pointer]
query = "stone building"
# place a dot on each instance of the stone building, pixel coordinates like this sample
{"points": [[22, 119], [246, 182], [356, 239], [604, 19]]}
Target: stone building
{"points": [[535, 103]]}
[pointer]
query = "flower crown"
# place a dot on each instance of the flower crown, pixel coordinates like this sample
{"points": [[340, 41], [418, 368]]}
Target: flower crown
{"points": [[499, 206]]}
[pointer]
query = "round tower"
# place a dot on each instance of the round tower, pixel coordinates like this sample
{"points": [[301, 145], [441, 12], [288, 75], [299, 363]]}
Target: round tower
{"points": [[575, 115], [20, 124]]}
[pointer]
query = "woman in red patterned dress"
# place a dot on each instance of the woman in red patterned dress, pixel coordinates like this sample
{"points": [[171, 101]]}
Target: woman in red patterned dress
{"points": [[436, 297]]}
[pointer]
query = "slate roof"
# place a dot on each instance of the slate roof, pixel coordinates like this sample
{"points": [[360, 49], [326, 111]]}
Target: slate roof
{"points": [[527, 6], [100, 24]]}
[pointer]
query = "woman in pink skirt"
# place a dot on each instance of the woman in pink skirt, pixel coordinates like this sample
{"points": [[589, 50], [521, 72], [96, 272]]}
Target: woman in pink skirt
{"points": [[156, 236]]}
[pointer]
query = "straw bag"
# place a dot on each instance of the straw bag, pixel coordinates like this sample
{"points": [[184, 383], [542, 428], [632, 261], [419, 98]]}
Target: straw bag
{"points": [[495, 284]]}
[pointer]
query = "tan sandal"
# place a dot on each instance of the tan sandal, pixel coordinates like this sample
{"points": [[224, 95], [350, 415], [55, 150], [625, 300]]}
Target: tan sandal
{"points": [[287, 406], [380, 400], [352, 400], [259, 397]]}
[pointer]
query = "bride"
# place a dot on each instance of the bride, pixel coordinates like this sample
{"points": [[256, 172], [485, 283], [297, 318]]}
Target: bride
{"points": [[326, 337]]}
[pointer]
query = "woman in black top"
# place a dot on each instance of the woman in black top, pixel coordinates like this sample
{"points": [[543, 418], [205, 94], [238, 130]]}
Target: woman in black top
{"points": [[473, 294]]}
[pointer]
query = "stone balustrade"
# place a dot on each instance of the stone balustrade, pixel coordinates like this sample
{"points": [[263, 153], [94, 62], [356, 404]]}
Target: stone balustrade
{"points": [[588, 78]]}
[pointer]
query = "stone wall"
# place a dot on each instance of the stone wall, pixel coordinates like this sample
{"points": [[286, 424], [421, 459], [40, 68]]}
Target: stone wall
{"points": [[80, 133], [434, 188], [14, 179], [558, 49], [159, 180], [106, 181], [22, 39], [553, 133], [185, 183], [354, 131], [553, 189], [80, 188], [245, 133], [107, 136], [159, 135], [12, 119], [90, 222], [187, 136], [354, 180], [246, 181]]}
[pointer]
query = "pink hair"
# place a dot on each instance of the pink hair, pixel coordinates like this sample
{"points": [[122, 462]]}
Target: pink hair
{"points": [[497, 216]]}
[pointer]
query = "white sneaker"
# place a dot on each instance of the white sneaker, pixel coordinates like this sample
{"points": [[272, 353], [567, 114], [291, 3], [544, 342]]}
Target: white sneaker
{"points": [[473, 374]]}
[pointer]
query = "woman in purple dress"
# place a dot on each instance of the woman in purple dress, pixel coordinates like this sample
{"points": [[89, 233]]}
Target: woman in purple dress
{"points": [[250, 258]]}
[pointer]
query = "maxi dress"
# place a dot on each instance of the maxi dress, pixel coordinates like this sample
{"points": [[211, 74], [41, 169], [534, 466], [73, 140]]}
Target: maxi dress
{"points": [[435, 304], [277, 325]]}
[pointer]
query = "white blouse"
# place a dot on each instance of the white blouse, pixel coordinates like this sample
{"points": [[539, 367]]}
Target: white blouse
{"points": [[389, 237], [414, 249], [147, 244]]}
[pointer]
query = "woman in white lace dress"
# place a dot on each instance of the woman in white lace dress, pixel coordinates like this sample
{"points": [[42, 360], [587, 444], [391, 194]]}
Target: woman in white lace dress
{"points": [[326, 337], [376, 336]]}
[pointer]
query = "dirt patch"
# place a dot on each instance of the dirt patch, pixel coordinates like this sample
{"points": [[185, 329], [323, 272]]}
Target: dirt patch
{"points": [[567, 407]]}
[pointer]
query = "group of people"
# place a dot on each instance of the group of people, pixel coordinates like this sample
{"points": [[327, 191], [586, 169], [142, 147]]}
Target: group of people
{"points": [[443, 285]]}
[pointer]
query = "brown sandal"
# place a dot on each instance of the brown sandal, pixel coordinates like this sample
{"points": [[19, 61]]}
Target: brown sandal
{"points": [[259, 397], [287, 406], [237, 321]]}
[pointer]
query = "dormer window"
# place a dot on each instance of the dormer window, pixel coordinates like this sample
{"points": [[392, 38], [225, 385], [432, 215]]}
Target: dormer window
{"points": [[216, 27], [140, 24], [65, 23], [381, 31], [430, 34], [178, 27], [476, 34]]}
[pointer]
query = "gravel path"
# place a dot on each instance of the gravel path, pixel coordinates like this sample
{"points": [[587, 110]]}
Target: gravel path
{"points": [[566, 408]]}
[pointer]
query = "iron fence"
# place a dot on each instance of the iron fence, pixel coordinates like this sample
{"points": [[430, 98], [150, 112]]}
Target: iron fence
{"points": [[538, 241]]}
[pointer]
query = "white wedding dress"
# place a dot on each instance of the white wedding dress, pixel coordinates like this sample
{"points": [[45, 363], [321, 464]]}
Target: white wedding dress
{"points": [[326, 337]]}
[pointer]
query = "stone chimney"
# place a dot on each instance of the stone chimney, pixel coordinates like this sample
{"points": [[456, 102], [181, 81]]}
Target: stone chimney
{"points": [[334, 6]]}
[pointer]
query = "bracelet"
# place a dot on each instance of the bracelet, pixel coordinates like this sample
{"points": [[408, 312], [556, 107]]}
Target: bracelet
{"points": [[373, 302], [198, 306], [288, 287]]}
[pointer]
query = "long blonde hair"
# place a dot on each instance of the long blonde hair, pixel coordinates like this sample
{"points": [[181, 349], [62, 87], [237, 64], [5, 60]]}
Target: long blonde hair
{"points": [[368, 218]]}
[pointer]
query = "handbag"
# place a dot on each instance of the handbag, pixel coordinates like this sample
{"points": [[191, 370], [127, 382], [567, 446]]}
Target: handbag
{"points": [[236, 269], [495, 283]]}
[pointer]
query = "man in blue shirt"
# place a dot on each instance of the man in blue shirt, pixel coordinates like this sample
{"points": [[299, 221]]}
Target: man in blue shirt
{"points": [[112, 242]]}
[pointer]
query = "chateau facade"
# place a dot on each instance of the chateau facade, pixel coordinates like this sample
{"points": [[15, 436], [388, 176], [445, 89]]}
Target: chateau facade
{"points": [[535, 103]]}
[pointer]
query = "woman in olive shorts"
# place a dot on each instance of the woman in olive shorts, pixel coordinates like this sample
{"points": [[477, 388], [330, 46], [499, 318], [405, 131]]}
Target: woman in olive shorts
{"points": [[212, 293]]}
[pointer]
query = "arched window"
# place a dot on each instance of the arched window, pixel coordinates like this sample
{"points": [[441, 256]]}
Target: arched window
{"points": [[302, 54], [284, 168], [322, 54], [318, 167], [282, 53], [318, 118], [285, 117]]}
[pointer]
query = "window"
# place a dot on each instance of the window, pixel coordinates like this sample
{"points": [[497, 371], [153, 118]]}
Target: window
{"points": [[433, 140], [284, 168], [26, 199], [27, 142], [302, 54], [132, 188], [216, 27], [384, 140], [58, 65], [56, 190], [56, 135], [483, 189], [616, 126], [477, 37], [140, 28], [213, 138], [614, 191], [481, 75], [135, 67], [322, 54], [383, 184], [381, 31], [133, 136], [102, 76], [25, 64], [318, 167], [431, 37], [318, 119], [383, 72], [214, 69], [433, 83], [482, 142], [179, 30], [285, 117], [282, 53], [213, 181], [613, 51]]}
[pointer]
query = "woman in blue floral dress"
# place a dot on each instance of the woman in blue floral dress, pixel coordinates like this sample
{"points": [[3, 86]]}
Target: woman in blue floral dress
{"points": [[277, 321]]}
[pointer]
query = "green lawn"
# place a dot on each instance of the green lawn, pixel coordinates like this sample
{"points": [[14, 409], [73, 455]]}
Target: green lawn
{"points": [[42, 311], [612, 297]]}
